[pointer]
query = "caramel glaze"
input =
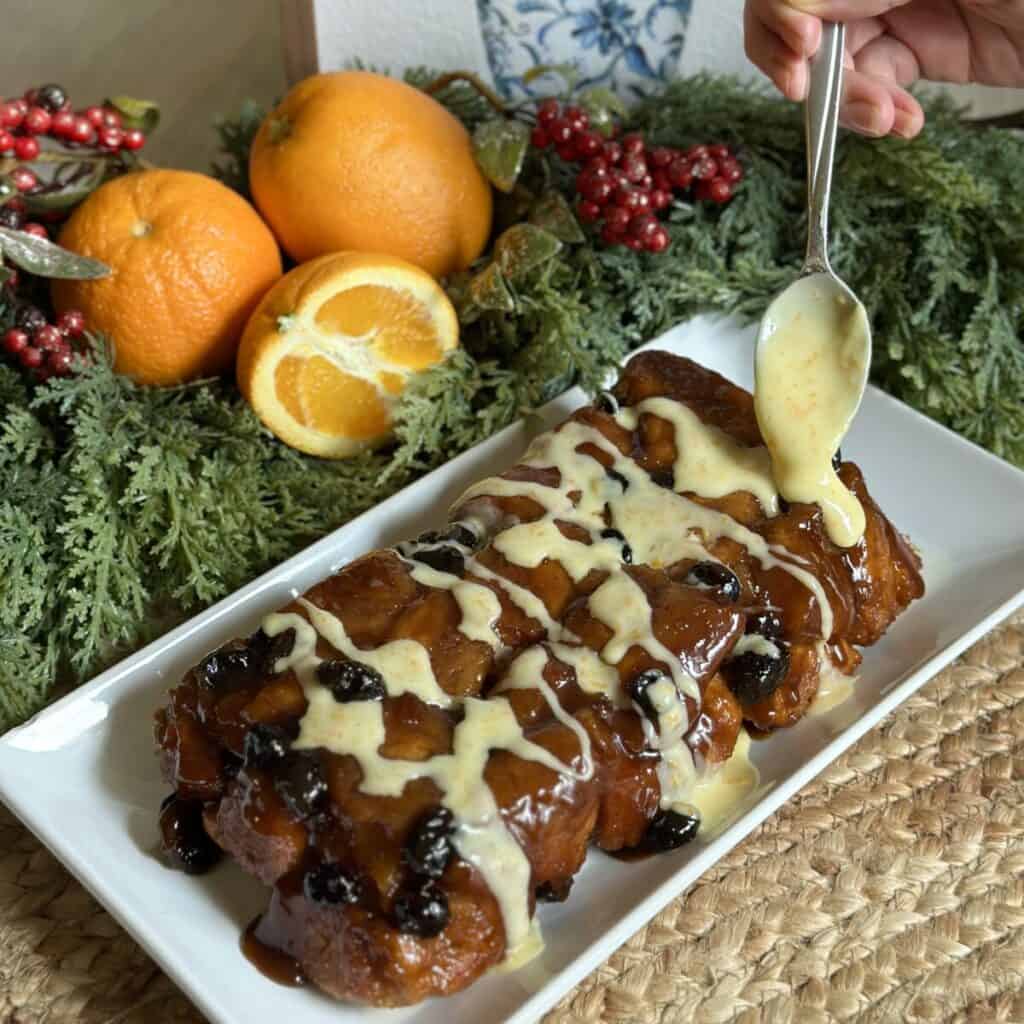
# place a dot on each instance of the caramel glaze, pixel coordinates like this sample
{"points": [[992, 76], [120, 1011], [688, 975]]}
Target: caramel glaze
{"points": [[277, 966], [354, 950]]}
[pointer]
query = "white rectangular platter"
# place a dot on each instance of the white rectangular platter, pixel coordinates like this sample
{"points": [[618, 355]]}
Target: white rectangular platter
{"points": [[83, 774]]}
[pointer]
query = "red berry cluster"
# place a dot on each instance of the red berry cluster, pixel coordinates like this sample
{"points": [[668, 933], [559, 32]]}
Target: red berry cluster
{"points": [[44, 349], [47, 111], [624, 183]]}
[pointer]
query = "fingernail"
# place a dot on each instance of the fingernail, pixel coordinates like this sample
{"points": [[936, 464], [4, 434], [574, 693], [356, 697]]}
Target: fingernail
{"points": [[794, 83], [863, 118], [801, 81], [905, 125]]}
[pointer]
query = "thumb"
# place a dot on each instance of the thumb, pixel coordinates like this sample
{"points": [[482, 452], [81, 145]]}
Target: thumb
{"points": [[845, 10]]}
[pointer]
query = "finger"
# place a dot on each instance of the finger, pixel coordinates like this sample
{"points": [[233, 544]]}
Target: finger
{"points": [[786, 69], [846, 10], [800, 32], [878, 106], [1006, 13], [860, 33], [867, 105], [887, 57], [970, 42]]}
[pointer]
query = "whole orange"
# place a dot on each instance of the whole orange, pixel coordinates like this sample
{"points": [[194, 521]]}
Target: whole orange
{"points": [[190, 261], [359, 161]]}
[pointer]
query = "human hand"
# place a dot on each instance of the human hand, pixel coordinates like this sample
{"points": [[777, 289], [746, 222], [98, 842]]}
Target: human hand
{"points": [[889, 45]]}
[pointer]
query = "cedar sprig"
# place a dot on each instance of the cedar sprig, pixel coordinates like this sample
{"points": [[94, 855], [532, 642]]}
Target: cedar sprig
{"points": [[125, 509]]}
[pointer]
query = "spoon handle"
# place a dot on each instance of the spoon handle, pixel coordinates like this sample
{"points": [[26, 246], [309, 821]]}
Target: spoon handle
{"points": [[822, 111]]}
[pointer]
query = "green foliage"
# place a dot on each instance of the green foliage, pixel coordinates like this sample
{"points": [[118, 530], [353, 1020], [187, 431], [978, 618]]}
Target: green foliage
{"points": [[235, 136], [126, 509], [926, 232]]}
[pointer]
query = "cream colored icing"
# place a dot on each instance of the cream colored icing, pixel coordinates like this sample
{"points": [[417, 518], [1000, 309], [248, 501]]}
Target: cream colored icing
{"points": [[593, 674], [356, 728], [621, 604], [812, 361], [708, 461], [479, 605], [661, 527], [721, 794], [526, 672], [834, 687], [757, 644], [676, 769]]}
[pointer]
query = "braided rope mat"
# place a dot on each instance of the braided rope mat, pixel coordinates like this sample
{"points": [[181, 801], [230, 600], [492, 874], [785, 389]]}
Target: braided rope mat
{"points": [[891, 889]]}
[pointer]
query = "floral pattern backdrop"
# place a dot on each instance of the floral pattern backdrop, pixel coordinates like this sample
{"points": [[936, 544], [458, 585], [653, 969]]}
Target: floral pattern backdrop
{"points": [[626, 45]]}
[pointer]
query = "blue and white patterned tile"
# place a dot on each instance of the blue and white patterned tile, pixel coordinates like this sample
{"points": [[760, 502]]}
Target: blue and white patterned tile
{"points": [[626, 45]]}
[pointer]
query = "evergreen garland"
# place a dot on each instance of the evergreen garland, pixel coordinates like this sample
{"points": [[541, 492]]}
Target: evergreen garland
{"points": [[126, 509]]}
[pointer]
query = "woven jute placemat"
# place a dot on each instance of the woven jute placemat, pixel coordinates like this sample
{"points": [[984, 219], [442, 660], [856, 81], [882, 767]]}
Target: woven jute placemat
{"points": [[891, 889]]}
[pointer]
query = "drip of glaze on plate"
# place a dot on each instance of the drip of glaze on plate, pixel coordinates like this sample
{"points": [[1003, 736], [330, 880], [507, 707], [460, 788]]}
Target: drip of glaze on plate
{"points": [[834, 687], [721, 795], [810, 370], [273, 963]]}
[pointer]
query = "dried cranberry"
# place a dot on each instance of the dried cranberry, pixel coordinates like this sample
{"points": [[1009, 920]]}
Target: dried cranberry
{"points": [[266, 651], [443, 558], [224, 668], [614, 474], [421, 910], [555, 891], [184, 840], [753, 676], [669, 830], [351, 680], [462, 533], [266, 745], [715, 576], [766, 623], [333, 883], [428, 850], [610, 533], [300, 783], [638, 687]]}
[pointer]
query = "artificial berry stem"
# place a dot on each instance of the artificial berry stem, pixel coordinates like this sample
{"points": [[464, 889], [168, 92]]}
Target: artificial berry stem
{"points": [[470, 79]]}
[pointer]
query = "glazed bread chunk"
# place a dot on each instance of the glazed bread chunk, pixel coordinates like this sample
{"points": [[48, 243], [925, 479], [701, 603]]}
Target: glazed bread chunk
{"points": [[425, 744]]}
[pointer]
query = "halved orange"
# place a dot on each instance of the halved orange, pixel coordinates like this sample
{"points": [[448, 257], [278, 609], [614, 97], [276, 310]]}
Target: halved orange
{"points": [[331, 346]]}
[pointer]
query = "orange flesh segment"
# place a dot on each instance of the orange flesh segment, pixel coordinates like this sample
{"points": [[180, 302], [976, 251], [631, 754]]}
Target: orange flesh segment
{"points": [[402, 330], [319, 395]]}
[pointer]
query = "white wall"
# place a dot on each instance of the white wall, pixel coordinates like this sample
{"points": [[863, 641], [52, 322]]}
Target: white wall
{"points": [[196, 58]]}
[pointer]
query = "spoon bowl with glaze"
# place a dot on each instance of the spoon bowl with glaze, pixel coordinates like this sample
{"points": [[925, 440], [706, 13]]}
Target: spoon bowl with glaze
{"points": [[813, 349]]}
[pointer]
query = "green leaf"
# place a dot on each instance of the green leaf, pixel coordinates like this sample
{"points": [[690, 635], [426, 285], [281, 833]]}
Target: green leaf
{"points": [[569, 73], [143, 115], [499, 146], [553, 213], [603, 107], [64, 195], [523, 247], [489, 290], [42, 257]]}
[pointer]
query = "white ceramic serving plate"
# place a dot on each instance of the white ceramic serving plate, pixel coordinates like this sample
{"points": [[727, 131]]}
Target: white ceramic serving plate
{"points": [[83, 775]]}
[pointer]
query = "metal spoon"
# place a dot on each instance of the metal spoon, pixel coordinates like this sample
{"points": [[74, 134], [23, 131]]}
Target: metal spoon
{"points": [[814, 347]]}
